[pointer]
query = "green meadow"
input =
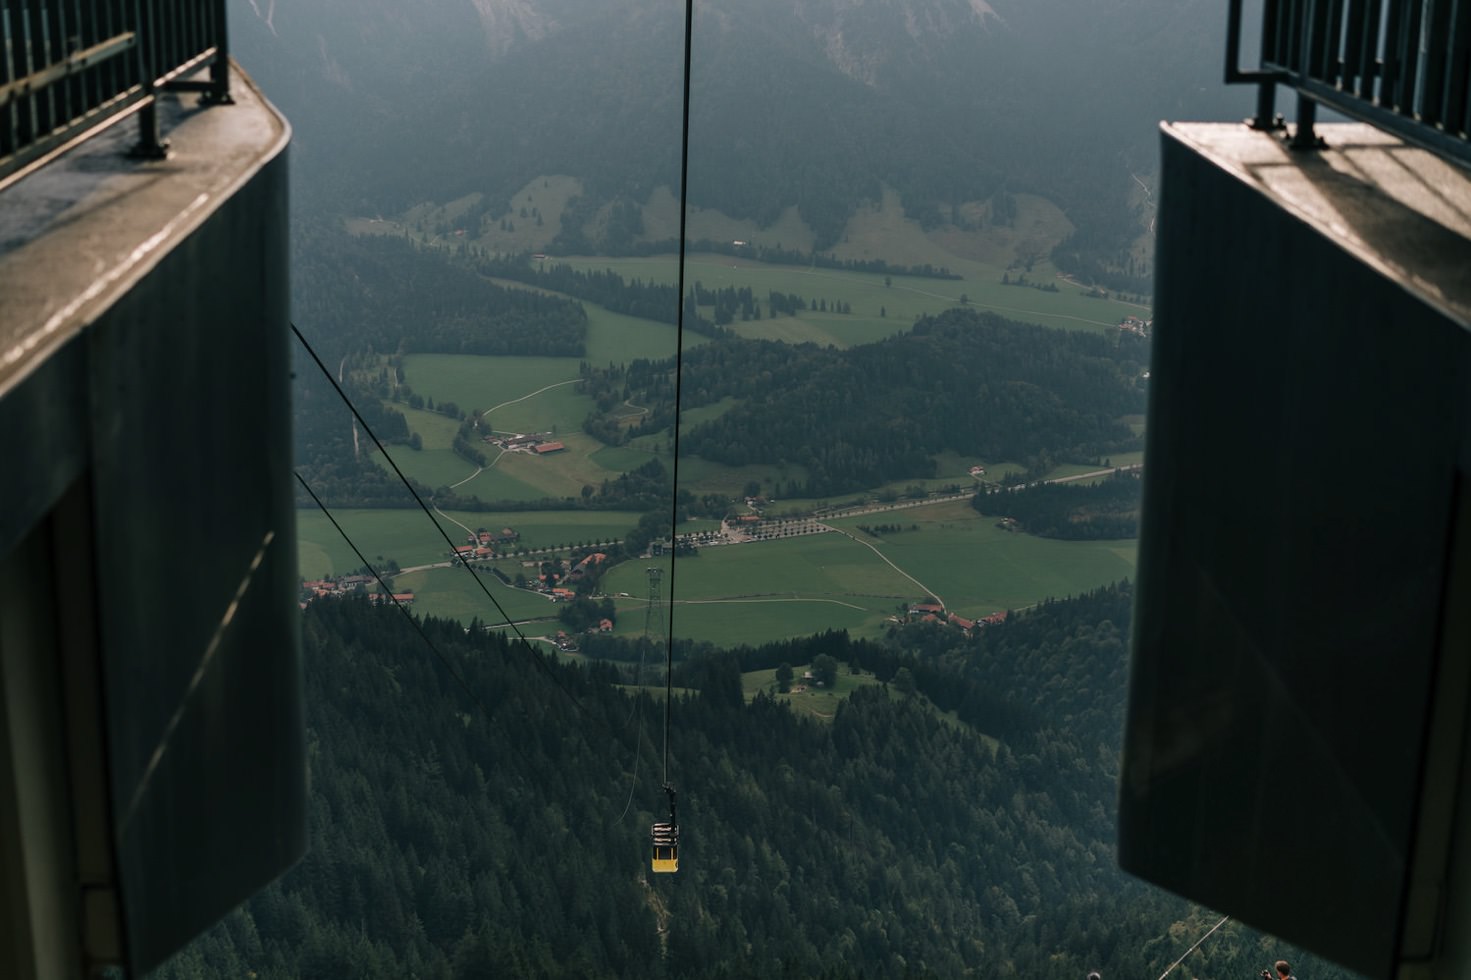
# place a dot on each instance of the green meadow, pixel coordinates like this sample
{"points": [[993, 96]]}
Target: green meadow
{"points": [[879, 310], [451, 593], [407, 537], [797, 586], [730, 594], [733, 594], [818, 702]]}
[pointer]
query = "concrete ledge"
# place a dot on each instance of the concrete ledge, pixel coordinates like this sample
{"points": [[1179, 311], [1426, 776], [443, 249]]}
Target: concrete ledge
{"points": [[1400, 209], [78, 233]]}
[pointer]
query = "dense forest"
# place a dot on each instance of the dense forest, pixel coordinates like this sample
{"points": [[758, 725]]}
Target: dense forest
{"points": [[1071, 511], [358, 297], [964, 381], [385, 294], [491, 834]]}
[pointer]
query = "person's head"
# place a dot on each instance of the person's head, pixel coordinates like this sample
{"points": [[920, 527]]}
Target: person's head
{"points": [[1094, 975], [1283, 970]]}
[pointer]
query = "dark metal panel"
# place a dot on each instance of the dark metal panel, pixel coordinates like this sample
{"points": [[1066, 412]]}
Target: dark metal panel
{"points": [[191, 425], [1286, 625], [43, 435]]}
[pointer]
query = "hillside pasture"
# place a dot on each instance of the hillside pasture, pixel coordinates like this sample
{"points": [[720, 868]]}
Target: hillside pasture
{"points": [[450, 593], [733, 594], [818, 702], [559, 474], [529, 394], [616, 338], [978, 568], [406, 535], [903, 299], [661, 223]]}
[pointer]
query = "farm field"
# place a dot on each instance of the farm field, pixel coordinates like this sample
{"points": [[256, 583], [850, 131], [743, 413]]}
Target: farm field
{"points": [[762, 591], [449, 593], [528, 394], [793, 587], [821, 703], [539, 394], [405, 535], [616, 338], [877, 310], [818, 702]]}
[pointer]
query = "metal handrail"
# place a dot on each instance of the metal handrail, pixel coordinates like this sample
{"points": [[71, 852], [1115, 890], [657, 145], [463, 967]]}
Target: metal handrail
{"points": [[70, 67], [1401, 65]]}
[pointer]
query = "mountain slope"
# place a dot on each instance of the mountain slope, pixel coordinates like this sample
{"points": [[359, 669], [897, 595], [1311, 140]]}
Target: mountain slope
{"points": [[813, 103]]}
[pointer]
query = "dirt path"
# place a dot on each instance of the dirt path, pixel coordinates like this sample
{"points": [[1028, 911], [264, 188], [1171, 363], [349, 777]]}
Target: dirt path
{"points": [[452, 520], [885, 558], [355, 448], [538, 391]]}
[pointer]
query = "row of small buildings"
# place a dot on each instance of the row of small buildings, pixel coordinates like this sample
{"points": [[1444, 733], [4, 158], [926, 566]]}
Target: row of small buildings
{"points": [[933, 612], [526, 444], [483, 544], [347, 586]]}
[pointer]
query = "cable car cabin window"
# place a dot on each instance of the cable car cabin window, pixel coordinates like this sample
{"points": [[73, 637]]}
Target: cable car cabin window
{"points": [[666, 847]]}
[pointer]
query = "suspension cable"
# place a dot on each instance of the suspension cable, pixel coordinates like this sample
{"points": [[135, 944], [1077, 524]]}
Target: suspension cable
{"points": [[536, 658], [1193, 948], [684, 190]]}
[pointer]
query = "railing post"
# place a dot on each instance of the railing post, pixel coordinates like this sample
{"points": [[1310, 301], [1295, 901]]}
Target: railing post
{"points": [[1303, 137], [219, 69], [150, 145], [1266, 117]]}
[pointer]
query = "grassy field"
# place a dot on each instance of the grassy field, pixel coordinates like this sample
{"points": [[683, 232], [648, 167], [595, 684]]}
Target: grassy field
{"points": [[616, 338], [878, 310], [407, 537], [756, 592], [793, 587], [538, 394], [450, 593], [749, 593], [818, 702], [519, 394], [822, 703]]}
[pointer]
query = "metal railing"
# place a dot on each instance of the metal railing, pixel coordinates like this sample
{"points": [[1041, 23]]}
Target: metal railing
{"points": [[1401, 65], [70, 67]]}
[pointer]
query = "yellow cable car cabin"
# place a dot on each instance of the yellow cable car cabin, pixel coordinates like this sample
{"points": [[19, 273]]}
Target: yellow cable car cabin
{"points": [[666, 847]]}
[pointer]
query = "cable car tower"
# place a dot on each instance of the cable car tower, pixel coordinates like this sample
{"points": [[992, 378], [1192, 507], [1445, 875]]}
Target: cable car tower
{"points": [[655, 622]]}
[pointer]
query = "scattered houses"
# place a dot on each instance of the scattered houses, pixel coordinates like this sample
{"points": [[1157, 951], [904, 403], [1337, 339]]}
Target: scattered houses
{"points": [[347, 587], [1136, 326], [538, 444], [932, 612]]}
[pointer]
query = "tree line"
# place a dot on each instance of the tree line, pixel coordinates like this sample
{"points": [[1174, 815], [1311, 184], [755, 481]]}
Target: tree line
{"points": [[1071, 511], [963, 381]]}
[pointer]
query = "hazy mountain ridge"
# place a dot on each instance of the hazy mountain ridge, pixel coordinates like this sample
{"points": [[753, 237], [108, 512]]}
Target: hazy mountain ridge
{"points": [[816, 104]]}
